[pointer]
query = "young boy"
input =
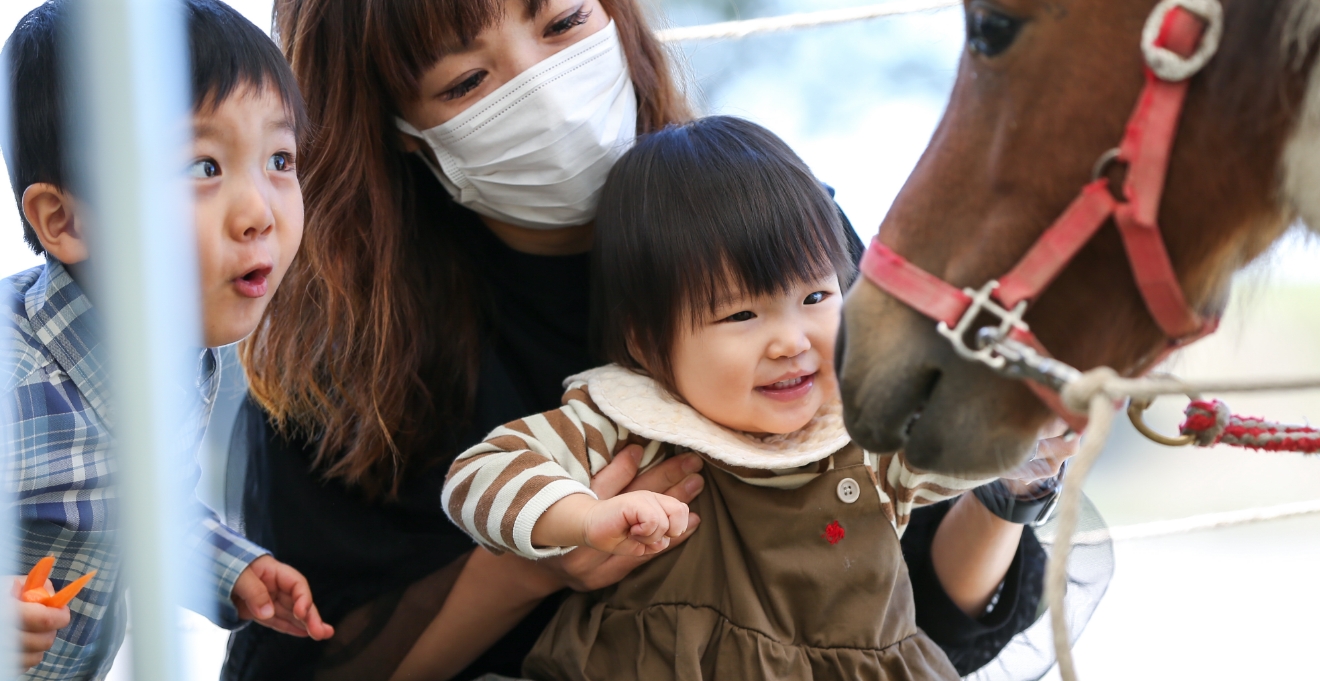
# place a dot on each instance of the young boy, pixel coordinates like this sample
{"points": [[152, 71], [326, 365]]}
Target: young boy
{"points": [[247, 114]]}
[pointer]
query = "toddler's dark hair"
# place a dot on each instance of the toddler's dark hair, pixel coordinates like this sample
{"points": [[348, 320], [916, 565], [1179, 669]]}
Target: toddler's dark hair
{"points": [[226, 52], [692, 211]]}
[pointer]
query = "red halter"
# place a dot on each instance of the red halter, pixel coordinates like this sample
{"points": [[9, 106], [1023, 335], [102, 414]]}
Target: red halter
{"points": [[1180, 36]]}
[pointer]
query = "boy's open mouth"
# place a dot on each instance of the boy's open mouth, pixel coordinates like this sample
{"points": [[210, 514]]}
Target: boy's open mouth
{"points": [[253, 283], [789, 389]]}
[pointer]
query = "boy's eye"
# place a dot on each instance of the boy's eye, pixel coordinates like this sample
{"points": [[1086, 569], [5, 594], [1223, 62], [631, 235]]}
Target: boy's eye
{"points": [[567, 23], [743, 316], [280, 163], [815, 298], [204, 168], [468, 85]]}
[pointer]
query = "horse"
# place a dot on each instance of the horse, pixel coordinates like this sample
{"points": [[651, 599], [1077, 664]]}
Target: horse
{"points": [[1043, 90]]}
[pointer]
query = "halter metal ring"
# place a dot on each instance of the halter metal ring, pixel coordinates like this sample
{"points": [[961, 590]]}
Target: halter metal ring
{"points": [[1168, 65], [1102, 164], [1135, 408]]}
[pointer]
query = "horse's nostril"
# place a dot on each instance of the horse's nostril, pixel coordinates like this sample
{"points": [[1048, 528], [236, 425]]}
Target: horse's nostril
{"points": [[911, 423]]}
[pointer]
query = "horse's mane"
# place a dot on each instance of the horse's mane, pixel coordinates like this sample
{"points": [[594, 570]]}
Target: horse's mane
{"points": [[1301, 30], [1301, 159]]}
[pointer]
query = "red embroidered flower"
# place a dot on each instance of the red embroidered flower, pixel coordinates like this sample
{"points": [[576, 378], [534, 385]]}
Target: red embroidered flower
{"points": [[833, 532]]}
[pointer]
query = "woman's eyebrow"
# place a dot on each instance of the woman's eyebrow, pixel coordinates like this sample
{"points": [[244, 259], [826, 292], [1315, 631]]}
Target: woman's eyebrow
{"points": [[535, 7]]}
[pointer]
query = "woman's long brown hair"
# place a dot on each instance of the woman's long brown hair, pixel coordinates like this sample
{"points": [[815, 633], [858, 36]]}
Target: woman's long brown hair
{"points": [[346, 353]]}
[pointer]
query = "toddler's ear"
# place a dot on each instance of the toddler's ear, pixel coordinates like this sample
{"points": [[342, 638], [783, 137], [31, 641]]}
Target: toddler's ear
{"points": [[54, 216]]}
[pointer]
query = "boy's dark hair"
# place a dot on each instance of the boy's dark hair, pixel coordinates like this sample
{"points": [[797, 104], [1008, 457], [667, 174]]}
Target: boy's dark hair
{"points": [[692, 211], [226, 52]]}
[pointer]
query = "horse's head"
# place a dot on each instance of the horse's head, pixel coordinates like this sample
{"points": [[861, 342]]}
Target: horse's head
{"points": [[1044, 88]]}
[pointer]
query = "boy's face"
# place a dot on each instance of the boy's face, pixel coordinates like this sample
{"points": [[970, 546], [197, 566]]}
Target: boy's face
{"points": [[762, 364], [249, 209]]}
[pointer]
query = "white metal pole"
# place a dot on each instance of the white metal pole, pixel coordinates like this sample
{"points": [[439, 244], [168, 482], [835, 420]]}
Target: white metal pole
{"points": [[8, 606], [129, 83]]}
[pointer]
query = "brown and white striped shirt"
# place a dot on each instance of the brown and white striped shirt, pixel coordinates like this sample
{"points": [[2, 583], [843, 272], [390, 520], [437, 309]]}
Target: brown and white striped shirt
{"points": [[497, 490]]}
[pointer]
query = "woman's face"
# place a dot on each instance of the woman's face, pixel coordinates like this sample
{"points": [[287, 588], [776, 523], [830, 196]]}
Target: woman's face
{"points": [[500, 53]]}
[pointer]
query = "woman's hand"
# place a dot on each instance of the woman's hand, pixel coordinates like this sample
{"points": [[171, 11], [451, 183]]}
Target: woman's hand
{"points": [[1044, 465], [973, 548], [586, 569]]}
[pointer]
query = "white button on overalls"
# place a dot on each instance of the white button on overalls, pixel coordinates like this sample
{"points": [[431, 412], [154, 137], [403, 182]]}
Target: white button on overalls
{"points": [[849, 491]]}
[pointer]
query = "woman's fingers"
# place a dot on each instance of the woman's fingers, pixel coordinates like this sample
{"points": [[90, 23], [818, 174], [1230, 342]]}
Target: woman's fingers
{"points": [[1049, 456], [687, 489], [667, 475], [614, 477]]}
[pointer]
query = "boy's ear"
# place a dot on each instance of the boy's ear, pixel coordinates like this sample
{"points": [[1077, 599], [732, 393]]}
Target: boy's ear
{"points": [[53, 214]]}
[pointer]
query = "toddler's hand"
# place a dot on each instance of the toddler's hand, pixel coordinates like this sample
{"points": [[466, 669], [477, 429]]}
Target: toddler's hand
{"points": [[277, 596], [37, 625], [634, 524]]}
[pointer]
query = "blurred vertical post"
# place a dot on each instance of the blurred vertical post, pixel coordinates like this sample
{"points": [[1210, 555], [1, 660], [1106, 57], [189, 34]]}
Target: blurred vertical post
{"points": [[129, 100], [8, 606]]}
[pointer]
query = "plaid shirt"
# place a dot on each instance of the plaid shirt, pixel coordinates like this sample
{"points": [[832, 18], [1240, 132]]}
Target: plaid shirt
{"points": [[60, 469]]}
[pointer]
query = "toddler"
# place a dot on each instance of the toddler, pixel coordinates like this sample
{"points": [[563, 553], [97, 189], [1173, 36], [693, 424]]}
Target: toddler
{"points": [[719, 267]]}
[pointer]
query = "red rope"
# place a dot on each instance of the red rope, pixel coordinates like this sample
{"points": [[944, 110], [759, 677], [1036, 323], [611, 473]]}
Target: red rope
{"points": [[1212, 423]]}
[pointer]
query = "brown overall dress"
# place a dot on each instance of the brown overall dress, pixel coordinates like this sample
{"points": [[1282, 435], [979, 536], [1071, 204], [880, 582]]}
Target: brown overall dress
{"points": [[767, 588]]}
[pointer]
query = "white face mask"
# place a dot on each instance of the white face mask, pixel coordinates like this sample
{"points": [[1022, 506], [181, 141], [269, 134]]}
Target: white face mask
{"points": [[535, 152]]}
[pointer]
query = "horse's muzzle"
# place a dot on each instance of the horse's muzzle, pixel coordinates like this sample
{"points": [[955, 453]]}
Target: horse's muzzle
{"points": [[905, 389]]}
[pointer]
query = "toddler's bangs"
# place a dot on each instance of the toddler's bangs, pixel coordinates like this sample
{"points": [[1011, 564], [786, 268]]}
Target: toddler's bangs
{"points": [[694, 213]]}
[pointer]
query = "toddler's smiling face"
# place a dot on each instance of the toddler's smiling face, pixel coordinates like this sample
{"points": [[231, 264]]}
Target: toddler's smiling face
{"points": [[762, 364]]}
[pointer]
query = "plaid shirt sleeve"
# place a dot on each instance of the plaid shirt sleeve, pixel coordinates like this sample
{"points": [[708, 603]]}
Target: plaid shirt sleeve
{"points": [[217, 554], [55, 434]]}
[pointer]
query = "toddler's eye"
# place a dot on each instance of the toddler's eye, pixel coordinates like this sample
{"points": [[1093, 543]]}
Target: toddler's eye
{"points": [[743, 316], [204, 168], [815, 298], [281, 162]]}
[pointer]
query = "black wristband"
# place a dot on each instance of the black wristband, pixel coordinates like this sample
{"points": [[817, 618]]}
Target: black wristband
{"points": [[999, 500]]}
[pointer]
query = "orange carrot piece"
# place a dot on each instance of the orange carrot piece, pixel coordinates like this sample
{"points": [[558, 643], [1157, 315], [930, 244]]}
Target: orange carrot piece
{"points": [[62, 598], [34, 595], [36, 579]]}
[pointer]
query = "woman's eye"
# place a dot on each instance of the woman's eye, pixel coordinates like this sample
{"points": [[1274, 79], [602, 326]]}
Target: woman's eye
{"points": [[567, 23], [743, 316], [281, 162], [815, 298], [204, 168], [468, 85], [989, 32]]}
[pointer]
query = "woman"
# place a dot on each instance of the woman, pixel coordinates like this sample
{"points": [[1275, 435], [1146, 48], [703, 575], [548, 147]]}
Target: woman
{"points": [[441, 291]]}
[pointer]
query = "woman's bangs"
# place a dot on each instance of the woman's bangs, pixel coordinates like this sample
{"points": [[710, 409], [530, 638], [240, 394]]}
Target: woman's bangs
{"points": [[410, 36]]}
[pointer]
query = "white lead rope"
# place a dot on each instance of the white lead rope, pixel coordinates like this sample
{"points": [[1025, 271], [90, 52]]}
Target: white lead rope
{"points": [[1095, 392], [742, 29]]}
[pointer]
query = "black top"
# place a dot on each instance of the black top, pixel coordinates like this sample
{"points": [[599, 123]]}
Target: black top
{"points": [[362, 555]]}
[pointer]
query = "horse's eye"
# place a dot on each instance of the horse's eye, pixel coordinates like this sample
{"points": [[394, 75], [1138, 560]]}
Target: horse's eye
{"points": [[990, 32]]}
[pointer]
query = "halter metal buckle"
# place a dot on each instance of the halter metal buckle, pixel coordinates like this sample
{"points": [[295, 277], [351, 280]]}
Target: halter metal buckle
{"points": [[983, 302], [1169, 65]]}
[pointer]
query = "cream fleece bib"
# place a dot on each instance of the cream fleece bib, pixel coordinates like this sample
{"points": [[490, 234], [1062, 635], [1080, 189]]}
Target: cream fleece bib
{"points": [[639, 404]]}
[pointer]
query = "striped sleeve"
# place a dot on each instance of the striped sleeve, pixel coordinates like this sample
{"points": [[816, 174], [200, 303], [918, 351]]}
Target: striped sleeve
{"points": [[903, 487], [497, 490]]}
